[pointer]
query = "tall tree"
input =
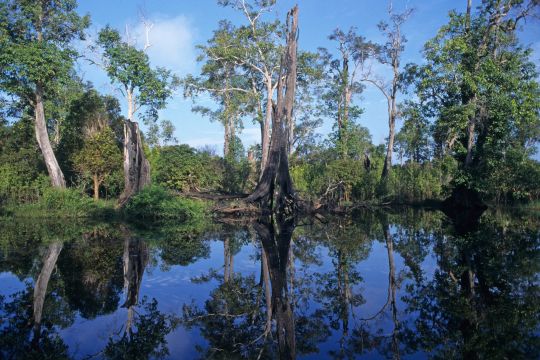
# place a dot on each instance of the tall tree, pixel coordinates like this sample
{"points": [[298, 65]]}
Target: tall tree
{"points": [[99, 157], [254, 48], [275, 187], [342, 82], [36, 58], [390, 54], [480, 87], [225, 82], [142, 87]]}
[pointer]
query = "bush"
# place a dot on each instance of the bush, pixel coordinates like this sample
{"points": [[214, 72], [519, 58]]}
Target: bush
{"points": [[156, 203], [17, 187], [185, 169], [64, 203]]}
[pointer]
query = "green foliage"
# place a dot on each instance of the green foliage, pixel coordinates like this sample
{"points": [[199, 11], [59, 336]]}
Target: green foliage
{"points": [[130, 68], [64, 203], [235, 168], [480, 85], [185, 169], [88, 114], [22, 177], [99, 157], [155, 203], [35, 44]]}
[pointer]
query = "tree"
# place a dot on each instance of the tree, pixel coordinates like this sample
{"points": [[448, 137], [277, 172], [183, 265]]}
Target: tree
{"points": [[225, 82], [142, 87], [342, 83], [390, 54], [275, 187], [36, 58], [254, 49], [100, 156], [480, 87], [88, 114], [414, 137]]}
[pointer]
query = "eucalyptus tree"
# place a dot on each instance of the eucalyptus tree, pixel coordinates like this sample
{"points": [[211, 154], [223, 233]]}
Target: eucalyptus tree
{"points": [[256, 49], [342, 82], [388, 54], [36, 59], [143, 88], [226, 84]]}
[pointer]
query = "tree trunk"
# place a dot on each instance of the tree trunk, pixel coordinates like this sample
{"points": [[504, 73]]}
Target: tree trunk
{"points": [[392, 114], [389, 151], [226, 140], [275, 182], [42, 136], [136, 166], [265, 127], [96, 187]]}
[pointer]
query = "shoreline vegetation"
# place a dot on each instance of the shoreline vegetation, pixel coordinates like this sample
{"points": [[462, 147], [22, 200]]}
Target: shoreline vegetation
{"points": [[469, 114], [156, 204]]}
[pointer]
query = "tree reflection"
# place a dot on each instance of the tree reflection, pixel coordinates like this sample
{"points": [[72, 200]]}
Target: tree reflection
{"points": [[482, 301], [243, 318], [24, 334]]}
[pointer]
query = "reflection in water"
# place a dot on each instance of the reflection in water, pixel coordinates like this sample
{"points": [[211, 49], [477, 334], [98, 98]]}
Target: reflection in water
{"points": [[276, 242], [135, 259], [381, 285], [40, 288]]}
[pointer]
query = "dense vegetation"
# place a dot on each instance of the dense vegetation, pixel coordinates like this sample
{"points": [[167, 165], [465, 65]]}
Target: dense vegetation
{"points": [[470, 112]]}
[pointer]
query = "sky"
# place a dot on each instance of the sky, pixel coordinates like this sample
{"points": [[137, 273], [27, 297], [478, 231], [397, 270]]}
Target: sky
{"points": [[180, 25]]}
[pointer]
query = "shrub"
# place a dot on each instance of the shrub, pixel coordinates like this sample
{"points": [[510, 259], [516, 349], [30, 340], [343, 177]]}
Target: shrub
{"points": [[64, 203], [155, 203], [185, 169]]}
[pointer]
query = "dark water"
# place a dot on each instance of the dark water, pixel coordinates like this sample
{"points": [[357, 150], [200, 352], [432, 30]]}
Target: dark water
{"points": [[403, 284]]}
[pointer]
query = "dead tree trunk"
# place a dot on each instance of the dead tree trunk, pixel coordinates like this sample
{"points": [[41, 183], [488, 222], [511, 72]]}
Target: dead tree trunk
{"points": [[42, 136], [136, 166], [275, 188]]}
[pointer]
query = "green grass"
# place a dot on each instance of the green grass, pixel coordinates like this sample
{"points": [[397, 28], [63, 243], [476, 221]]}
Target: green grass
{"points": [[62, 203]]}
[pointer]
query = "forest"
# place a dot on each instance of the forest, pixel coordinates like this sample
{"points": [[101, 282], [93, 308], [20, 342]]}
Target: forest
{"points": [[463, 124], [117, 241]]}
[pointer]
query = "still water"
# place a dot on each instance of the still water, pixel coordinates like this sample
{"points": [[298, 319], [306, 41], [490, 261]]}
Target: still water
{"points": [[404, 284]]}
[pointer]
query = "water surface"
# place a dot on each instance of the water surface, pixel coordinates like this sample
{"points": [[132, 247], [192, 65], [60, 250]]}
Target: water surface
{"points": [[379, 285]]}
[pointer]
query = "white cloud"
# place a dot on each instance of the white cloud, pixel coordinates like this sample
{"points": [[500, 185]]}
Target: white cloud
{"points": [[171, 40], [203, 141]]}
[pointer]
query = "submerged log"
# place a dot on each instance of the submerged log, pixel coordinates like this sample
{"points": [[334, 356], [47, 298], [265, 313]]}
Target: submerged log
{"points": [[275, 188], [136, 166]]}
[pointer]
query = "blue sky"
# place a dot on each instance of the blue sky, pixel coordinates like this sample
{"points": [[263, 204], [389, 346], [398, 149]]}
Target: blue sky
{"points": [[182, 24]]}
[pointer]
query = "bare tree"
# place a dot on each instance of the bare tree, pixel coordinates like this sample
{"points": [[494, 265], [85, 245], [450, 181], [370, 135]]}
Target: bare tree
{"points": [[389, 54]]}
